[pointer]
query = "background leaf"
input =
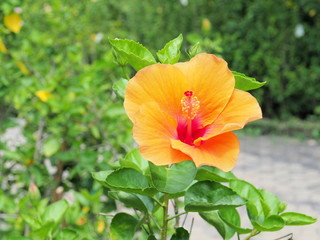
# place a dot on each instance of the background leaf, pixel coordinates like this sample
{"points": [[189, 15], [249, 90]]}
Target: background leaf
{"points": [[170, 54], [232, 218], [294, 219], [173, 180], [51, 146], [213, 174], [207, 196], [246, 83], [140, 202], [134, 160], [180, 234], [129, 180], [271, 223], [136, 54], [120, 87], [214, 219], [123, 227]]}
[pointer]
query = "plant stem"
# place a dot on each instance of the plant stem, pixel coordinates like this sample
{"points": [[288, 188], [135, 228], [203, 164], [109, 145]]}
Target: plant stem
{"points": [[165, 217], [149, 223], [176, 212], [288, 235], [176, 216], [253, 233], [157, 201]]}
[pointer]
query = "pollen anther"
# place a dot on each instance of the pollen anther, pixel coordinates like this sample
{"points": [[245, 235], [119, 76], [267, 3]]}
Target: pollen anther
{"points": [[190, 105]]}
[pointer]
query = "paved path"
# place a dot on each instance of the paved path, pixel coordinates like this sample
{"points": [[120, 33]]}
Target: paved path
{"points": [[286, 167]]}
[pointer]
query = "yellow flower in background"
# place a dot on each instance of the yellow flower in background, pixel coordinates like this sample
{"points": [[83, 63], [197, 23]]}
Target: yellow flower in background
{"points": [[312, 13], [206, 25], [101, 226], [13, 22], [3, 47], [43, 95], [23, 68], [289, 3], [93, 36], [81, 221], [85, 209]]}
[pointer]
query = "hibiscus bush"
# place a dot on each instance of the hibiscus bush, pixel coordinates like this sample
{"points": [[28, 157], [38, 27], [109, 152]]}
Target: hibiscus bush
{"points": [[182, 115], [59, 120]]}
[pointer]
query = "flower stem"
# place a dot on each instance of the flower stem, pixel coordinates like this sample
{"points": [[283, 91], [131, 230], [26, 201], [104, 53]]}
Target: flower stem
{"points": [[149, 223], [175, 216], [253, 233], [165, 217], [176, 212]]}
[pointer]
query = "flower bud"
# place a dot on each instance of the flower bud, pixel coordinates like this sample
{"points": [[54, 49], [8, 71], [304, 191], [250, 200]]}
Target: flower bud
{"points": [[34, 193], [206, 25]]}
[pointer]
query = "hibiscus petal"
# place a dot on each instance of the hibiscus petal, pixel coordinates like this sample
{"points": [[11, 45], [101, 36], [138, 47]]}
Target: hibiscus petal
{"points": [[153, 129], [160, 83], [209, 78], [241, 109], [220, 151]]}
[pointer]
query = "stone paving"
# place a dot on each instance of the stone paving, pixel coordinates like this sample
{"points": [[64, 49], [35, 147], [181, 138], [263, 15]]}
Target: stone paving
{"points": [[286, 167]]}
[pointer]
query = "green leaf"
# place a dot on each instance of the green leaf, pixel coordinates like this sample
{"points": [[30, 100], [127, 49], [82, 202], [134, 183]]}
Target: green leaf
{"points": [[51, 146], [173, 179], [170, 54], [20, 238], [258, 208], [194, 50], [134, 53], [131, 200], [43, 231], [214, 219], [152, 238], [232, 218], [134, 160], [120, 87], [95, 132], [251, 194], [213, 174], [246, 83], [101, 177], [295, 219], [31, 221], [180, 234], [271, 223], [67, 234], [123, 227], [271, 203], [207, 196], [129, 180], [55, 211]]}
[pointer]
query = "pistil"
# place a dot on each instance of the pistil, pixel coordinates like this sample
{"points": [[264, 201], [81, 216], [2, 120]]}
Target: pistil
{"points": [[190, 108]]}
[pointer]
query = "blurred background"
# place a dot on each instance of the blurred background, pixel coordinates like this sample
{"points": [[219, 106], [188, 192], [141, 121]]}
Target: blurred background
{"points": [[60, 118]]}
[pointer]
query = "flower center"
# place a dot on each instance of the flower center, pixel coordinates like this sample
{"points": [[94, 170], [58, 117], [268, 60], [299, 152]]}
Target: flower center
{"points": [[190, 107]]}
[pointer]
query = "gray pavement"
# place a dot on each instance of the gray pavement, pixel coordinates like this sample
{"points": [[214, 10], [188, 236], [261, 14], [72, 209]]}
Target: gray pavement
{"points": [[286, 167]]}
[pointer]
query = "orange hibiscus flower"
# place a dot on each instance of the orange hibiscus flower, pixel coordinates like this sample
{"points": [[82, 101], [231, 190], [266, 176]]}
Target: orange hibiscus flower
{"points": [[187, 111]]}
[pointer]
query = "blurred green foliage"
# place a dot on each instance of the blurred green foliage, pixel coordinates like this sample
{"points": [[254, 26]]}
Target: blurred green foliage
{"points": [[57, 71]]}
